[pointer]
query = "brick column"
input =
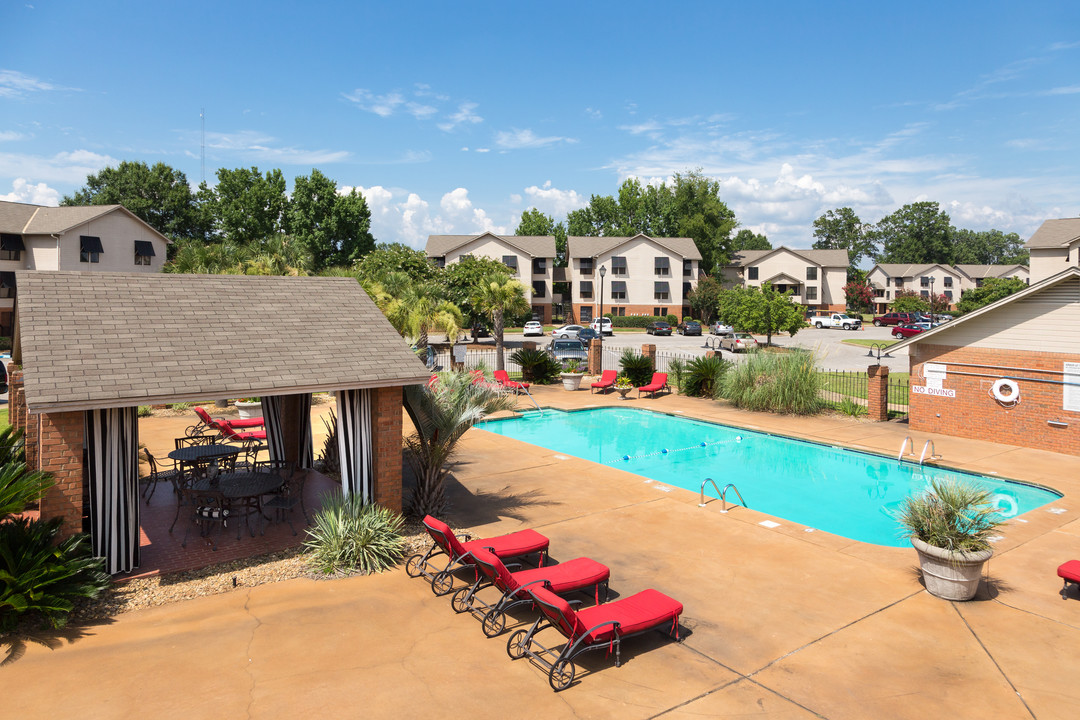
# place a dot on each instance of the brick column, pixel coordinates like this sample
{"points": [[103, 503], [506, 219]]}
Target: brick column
{"points": [[386, 409], [16, 398], [596, 358], [712, 354], [649, 351], [528, 345], [290, 427], [877, 392], [61, 455]]}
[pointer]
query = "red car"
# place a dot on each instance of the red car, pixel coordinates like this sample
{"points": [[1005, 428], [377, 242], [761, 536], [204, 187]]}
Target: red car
{"points": [[901, 332], [897, 318]]}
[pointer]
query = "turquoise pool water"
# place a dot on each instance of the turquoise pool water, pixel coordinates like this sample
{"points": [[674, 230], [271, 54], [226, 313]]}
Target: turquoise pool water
{"points": [[841, 491]]}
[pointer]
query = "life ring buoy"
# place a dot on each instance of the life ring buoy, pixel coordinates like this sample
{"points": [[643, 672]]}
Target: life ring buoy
{"points": [[1006, 391], [1005, 505]]}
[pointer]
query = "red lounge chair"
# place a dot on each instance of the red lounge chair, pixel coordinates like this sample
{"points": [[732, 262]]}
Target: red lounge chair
{"points": [[561, 579], [1069, 572], [517, 544], [209, 423], [248, 436], [658, 383], [503, 379], [606, 381], [597, 628]]}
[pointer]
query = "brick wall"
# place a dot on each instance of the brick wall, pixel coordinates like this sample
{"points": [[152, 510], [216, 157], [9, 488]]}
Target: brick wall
{"points": [[386, 411], [973, 413], [61, 455]]}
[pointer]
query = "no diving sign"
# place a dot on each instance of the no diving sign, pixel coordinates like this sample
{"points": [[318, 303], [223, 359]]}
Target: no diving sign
{"points": [[935, 391]]}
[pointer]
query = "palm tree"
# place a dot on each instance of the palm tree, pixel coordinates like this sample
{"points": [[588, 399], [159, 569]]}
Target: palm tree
{"points": [[441, 412], [428, 310], [500, 296]]}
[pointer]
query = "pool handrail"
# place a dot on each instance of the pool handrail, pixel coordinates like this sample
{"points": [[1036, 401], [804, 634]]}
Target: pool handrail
{"points": [[933, 451], [908, 442], [721, 493]]}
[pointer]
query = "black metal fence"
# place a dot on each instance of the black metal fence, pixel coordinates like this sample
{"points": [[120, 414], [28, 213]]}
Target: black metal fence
{"points": [[483, 357], [853, 385]]}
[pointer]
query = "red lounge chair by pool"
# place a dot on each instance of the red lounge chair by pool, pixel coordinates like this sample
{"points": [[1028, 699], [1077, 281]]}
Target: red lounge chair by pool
{"points": [[503, 379], [658, 383], [247, 436], [561, 579], [1069, 572], [606, 381], [514, 545], [210, 423], [603, 627]]}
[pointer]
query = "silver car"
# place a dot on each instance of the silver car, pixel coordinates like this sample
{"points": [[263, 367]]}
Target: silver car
{"points": [[566, 331], [738, 341], [564, 350]]}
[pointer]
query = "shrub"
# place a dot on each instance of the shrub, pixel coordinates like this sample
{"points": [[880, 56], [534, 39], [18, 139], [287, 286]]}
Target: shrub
{"points": [[779, 383], [537, 366], [5, 343], [144, 411], [951, 515], [672, 320], [19, 485], [180, 406], [636, 367], [330, 461], [632, 321], [677, 370], [847, 406], [349, 534], [704, 375]]}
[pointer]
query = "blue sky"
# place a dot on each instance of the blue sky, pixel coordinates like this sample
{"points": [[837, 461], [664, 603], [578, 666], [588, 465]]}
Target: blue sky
{"points": [[456, 117]]}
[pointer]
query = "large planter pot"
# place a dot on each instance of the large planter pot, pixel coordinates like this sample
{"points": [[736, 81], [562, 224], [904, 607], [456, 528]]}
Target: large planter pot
{"points": [[623, 392], [572, 381], [249, 409], [950, 575]]}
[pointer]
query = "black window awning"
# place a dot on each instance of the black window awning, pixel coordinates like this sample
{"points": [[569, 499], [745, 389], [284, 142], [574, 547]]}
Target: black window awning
{"points": [[660, 287], [617, 261], [11, 242], [618, 286], [90, 244], [7, 280], [510, 261], [144, 248], [663, 263]]}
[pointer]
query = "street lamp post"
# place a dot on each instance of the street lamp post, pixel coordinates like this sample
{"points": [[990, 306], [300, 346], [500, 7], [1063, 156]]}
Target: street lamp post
{"points": [[600, 337], [931, 298]]}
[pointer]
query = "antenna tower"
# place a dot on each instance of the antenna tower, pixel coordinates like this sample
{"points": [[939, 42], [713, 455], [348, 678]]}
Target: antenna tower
{"points": [[202, 165]]}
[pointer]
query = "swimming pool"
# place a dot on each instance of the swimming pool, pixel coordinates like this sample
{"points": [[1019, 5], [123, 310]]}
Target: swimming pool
{"points": [[841, 491]]}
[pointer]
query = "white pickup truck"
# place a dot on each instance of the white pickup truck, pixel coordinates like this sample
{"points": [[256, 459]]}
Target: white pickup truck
{"points": [[836, 320]]}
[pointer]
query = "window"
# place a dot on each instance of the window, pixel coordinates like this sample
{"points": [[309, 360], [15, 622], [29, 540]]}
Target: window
{"points": [[948, 282], [899, 282], [539, 266], [924, 281], [811, 292], [586, 289], [751, 273], [687, 288], [660, 290], [618, 265], [538, 312], [586, 266], [89, 248], [688, 268], [658, 312], [622, 312], [878, 292], [586, 314], [662, 266], [440, 262], [924, 293], [466, 255], [978, 282], [144, 251], [7, 284], [618, 290], [510, 261], [11, 247], [948, 294], [539, 288], [811, 273]]}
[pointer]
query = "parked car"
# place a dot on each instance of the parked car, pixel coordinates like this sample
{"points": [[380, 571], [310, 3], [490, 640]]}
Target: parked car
{"points": [[606, 326], [896, 318], [905, 331], [533, 328], [3, 378], [480, 330], [566, 331], [942, 318], [658, 328], [690, 327], [564, 350], [720, 328], [836, 320], [587, 335], [738, 341]]}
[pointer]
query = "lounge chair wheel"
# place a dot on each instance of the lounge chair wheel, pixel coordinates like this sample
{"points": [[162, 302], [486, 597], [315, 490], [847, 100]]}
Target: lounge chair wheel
{"points": [[442, 583], [414, 566], [494, 622], [515, 646], [460, 601], [561, 675]]}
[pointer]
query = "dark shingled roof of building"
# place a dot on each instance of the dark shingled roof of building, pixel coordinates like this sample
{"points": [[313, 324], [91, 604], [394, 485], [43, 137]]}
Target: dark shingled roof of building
{"points": [[100, 340]]}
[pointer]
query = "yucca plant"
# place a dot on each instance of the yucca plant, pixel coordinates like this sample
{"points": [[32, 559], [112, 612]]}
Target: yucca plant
{"points": [[677, 371], [703, 376], [349, 534], [775, 382], [637, 367], [537, 366], [847, 406], [951, 515]]}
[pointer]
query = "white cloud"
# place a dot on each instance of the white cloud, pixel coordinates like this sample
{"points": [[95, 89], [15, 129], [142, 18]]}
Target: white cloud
{"points": [[70, 168], [593, 113], [381, 105], [463, 116], [16, 84], [9, 135], [553, 201], [522, 139], [264, 148], [398, 215], [483, 150], [36, 194]]}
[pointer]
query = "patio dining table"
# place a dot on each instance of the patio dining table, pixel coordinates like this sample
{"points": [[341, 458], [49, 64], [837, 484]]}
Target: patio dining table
{"points": [[203, 453], [246, 487]]}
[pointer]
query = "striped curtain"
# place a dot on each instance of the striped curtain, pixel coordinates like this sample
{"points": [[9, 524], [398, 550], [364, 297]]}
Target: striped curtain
{"points": [[275, 441], [354, 442], [112, 462], [307, 451]]}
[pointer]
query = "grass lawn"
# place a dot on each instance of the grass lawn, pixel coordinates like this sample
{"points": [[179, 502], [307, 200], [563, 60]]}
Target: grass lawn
{"points": [[854, 385], [862, 342], [4, 418]]}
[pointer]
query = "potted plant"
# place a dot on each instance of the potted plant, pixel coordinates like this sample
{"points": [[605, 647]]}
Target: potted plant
{"points": [[950, 525], [249, 407], [623, 386], [572, 374]]}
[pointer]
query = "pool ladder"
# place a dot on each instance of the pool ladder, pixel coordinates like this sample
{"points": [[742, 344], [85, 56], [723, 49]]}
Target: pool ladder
{"points": [[909, 443], [721, 493]]}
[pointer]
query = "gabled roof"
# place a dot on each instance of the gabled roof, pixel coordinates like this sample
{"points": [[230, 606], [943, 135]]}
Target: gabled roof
{"points": [[821, 258], [535, 246], [989, 271], [592, 246], [1056, 233], [1072, 273], [782, 278], [100, 340], [26, 219], [903, 270]]}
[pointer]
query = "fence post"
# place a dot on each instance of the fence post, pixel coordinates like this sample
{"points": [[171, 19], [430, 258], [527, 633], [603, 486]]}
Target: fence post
{"points": [[528, 345], [712, 354], [596, 358], [877, 392], [649, 351]]}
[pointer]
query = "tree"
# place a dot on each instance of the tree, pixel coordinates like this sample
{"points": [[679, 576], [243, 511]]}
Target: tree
{"points": [[859, 295], [761, 310], [841, 229], [499, 296], [426, 309], [461, 278], [395, 257], [918, 233], [698, 213], [992, 290], [705, 298], [534, 222], [909, 301], [749, 240], [159, 196], [988, 247], [248, 205], [334, 227]]}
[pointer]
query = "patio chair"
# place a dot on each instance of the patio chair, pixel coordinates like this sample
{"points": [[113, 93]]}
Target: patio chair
{"points": [[207, 507], [602, 627], [183, 442], [1069, 572], [158, 474], [193, 473], [291, 493], [606, 381], [503, 379], [206, 423], [562, 579], [515, 545], [658, 383]]}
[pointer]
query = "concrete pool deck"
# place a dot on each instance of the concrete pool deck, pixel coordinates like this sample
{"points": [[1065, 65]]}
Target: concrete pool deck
{"points": [[782, 622]]}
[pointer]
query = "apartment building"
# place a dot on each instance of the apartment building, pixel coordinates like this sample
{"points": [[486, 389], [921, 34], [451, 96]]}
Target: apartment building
{"points": [[642, 275], [950, 281], [530, 258], [1054, 247], [89, 238], [816, 278]]}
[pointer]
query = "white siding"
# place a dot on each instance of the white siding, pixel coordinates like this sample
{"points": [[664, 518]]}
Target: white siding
{"points": [[118, 233]]}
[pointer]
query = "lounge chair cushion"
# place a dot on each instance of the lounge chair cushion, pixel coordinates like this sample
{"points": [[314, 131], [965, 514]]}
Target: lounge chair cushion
{"points": [[607, 379], [1070, 571], [564, 577], [518, 543], [644, 610]]}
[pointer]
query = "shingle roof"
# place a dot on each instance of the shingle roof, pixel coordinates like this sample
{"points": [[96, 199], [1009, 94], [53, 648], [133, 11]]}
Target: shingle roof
{"points": [[1055, 233], [596, 245], [823, 258], [97, 340], [908, 270], [987, 271], [537, 246], [24, 219]]}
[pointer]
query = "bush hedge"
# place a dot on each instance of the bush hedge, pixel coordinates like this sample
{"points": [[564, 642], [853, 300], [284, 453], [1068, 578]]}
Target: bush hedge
{"points": [[633, 321]]}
